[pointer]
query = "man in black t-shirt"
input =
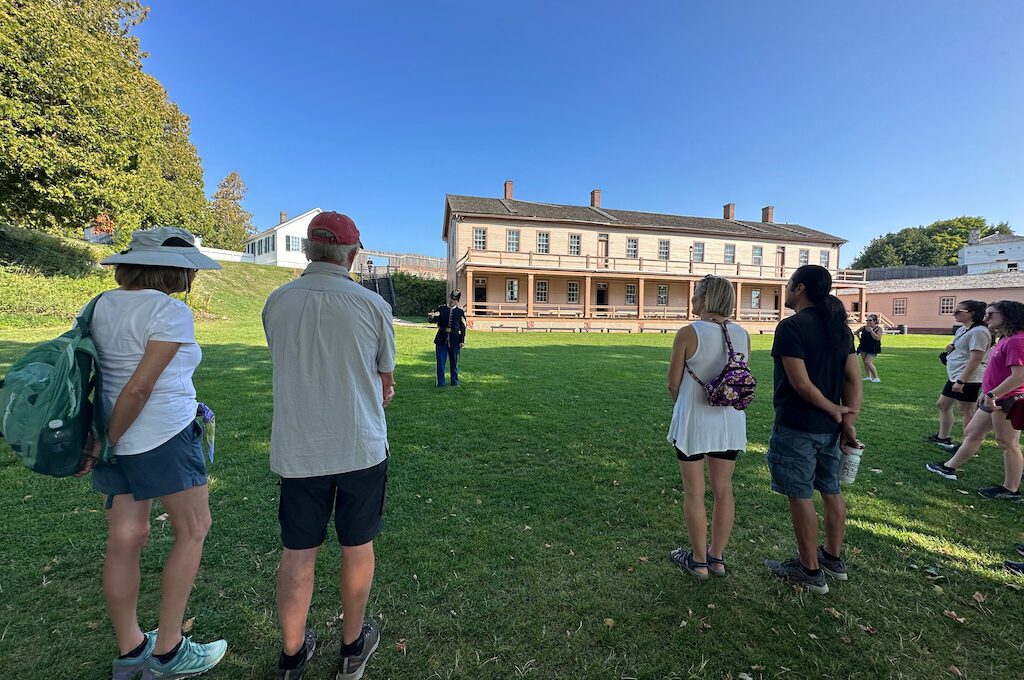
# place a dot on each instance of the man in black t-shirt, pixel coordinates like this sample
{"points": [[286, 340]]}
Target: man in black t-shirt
{"points": [[817, 400]]}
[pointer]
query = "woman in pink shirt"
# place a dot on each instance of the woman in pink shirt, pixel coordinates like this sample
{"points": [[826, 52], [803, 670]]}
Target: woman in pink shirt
{"points": [[1002, 385]]}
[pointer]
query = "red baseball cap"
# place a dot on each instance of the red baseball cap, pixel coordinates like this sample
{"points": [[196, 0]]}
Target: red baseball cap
{"points": [[334, 228]]}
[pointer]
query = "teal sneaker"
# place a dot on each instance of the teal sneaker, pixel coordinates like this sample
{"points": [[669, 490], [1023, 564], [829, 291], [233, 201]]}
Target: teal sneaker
{"points": [[191, 660], [129, 669]]}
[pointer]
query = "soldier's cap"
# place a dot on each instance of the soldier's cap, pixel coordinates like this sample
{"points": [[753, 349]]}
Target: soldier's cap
{"points": [[333, 228], [455, 295]]}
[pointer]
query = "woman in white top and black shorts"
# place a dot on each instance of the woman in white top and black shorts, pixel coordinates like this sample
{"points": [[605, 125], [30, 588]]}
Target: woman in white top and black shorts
{"points": [[147, 349], [702, 432], [965, 367]]}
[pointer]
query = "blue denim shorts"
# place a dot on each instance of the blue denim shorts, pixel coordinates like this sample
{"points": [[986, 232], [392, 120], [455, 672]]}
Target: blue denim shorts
{"points": [[801, 462], [176, 465]]}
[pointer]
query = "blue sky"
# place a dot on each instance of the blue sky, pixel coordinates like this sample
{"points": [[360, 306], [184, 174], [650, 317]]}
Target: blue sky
{"points": [[855, 118]]}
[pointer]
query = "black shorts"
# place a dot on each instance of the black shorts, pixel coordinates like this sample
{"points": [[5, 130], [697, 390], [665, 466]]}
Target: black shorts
{"points": [[357, 499], [731, 454], [970, 393]]}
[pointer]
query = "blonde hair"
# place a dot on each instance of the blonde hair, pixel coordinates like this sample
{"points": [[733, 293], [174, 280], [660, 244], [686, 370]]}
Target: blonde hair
{"points": [[718, 295]]}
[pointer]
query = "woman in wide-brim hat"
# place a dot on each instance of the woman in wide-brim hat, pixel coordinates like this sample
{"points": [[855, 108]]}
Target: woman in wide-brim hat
{"points": [[147, 352]]}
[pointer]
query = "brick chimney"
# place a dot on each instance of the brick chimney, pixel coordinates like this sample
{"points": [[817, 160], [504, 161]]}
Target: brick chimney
{"points": [[284, 217], [973, 236], [595, 198], [768, 214], [729, 211], [508, 190]]}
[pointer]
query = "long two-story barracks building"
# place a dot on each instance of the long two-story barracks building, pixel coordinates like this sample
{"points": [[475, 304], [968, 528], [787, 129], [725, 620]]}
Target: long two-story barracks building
{"points": [[540, 266]]}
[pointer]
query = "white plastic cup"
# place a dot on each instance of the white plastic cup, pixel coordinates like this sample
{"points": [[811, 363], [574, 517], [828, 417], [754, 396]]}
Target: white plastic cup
{"points": [[849, 464]]}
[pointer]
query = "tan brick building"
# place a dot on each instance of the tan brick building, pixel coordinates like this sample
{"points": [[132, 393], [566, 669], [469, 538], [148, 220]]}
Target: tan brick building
{"points": [[544, 266]]}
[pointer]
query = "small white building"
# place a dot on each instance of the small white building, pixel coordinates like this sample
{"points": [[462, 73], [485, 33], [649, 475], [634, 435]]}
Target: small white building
{"points": [[281, 245], [995, 253]]}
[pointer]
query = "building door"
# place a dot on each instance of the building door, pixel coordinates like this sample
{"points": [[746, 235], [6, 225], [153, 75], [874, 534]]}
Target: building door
{"points": [[480, 295], [602, 251], [780, 262], [602, 295]]}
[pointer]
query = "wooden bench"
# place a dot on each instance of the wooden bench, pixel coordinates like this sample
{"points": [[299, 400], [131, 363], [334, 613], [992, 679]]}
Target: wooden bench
{"points": [[501, 327], [609, 329], [550, 329]]}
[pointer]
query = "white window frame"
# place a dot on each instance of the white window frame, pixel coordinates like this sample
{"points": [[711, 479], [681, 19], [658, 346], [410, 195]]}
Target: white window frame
{"points": [[825, 259], [630, 293], [543, 242], [664, 249], [575, 244], [730, 253], [899, 306], [663, 295], [755, 298], [947, 303], [804, 257], [540, 290], [512, 241], [511, 290], [698, 251], [632, 248], [757, 255], [479, 282], [480, 238], [572, 292]]}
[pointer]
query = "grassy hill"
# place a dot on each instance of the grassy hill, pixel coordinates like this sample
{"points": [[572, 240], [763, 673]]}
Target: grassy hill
{"points": [[45, 280]]}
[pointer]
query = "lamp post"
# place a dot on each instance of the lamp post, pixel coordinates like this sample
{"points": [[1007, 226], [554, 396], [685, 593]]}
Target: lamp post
{"points": [[691, 258]]}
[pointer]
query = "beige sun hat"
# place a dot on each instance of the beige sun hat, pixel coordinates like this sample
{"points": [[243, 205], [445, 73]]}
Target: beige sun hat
{"points": [[163, 247]]}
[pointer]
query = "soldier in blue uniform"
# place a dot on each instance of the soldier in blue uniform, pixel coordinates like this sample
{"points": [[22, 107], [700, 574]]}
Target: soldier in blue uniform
{"points": [[451, 336]]}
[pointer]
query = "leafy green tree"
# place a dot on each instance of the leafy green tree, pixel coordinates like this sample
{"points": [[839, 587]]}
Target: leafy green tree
{"points": [[84, 132], [231, 223], [935, 245]]}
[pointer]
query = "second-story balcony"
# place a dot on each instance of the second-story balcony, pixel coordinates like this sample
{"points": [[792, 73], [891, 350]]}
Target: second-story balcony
{"points": [[639, 265]]}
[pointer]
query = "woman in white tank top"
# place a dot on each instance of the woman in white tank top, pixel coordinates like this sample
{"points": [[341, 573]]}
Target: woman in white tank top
{"points": [[700, 431]]}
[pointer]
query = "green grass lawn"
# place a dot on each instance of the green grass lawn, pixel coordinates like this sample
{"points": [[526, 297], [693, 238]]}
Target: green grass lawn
{"points": [[529, 519]]}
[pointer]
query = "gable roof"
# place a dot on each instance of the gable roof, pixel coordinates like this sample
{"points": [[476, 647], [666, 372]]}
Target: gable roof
{"points": [[314, 211], [627, 219], [963, 282], [993, 239]]}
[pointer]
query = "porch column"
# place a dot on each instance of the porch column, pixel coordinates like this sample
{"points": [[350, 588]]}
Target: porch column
{"points": [[530, 295], [739, 298], [640, 298], [864, 305], [586, 297], [689, 299], [782, 300], [470, 292]]}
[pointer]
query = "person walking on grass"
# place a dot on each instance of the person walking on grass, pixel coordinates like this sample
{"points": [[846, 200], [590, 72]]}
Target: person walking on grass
{"points": [[1015, 567], [701, 432], [1002, 385], [450, 337], [817, 401], [146, 344], [965, 360], [870, 336], [332, 346]]}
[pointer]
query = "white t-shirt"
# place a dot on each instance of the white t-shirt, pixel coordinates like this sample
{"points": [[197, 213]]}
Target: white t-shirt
{"points": [[123, 322], [979, 338], [329, 338]]}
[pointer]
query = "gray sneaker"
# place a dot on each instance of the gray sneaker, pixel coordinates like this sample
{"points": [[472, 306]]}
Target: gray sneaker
{"points": [[353, 667], [792, 571], [834, 568], [309, 647]]}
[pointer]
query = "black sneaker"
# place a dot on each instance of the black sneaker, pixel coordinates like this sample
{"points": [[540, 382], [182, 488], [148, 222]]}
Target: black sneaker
{"points": [[941, 470], [792, 571], [1019, 547], [1014, 567], [834, 568], [308, 647], [936, 439], [999, 493], [353, 667], [950, 447]]}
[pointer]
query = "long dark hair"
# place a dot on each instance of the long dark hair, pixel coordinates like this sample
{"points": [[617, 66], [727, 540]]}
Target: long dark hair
{"points": [[818, 286], [976, 309], [1013, 317]]}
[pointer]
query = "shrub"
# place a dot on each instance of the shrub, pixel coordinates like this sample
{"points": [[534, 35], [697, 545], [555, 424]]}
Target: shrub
{"points": [[416, 296], [41, 253]]}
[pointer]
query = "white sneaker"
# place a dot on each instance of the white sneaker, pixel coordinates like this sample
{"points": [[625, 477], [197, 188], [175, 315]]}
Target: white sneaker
{"points": [[876, 380], [868, 379]]}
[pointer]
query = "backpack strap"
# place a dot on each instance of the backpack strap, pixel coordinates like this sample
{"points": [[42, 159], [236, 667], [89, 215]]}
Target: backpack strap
{"points": [[84, 320], [728, 342], [99, 421]]}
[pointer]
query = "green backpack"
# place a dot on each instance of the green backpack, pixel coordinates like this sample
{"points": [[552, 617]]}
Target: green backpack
{"points": [[45, 408]]}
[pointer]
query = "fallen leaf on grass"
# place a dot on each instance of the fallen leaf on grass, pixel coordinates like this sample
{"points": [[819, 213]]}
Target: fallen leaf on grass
{"points": [[401, 646], [877, 471], [846, 639], [631, 569], [956, 671], [812, 636], [856, 551], [187, 626], [744, 676], [161, 518], [704, 626], [610, 623], [833, 611], [938, 589], [966, 493], [870, 630], [643, 558], [712, 605], [758, 667], [547, 545], [950, 614], [978, 597]]}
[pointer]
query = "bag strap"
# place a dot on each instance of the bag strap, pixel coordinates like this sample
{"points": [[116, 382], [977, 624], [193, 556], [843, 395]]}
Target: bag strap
{"points": [[728, 344], [84, 320]]}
